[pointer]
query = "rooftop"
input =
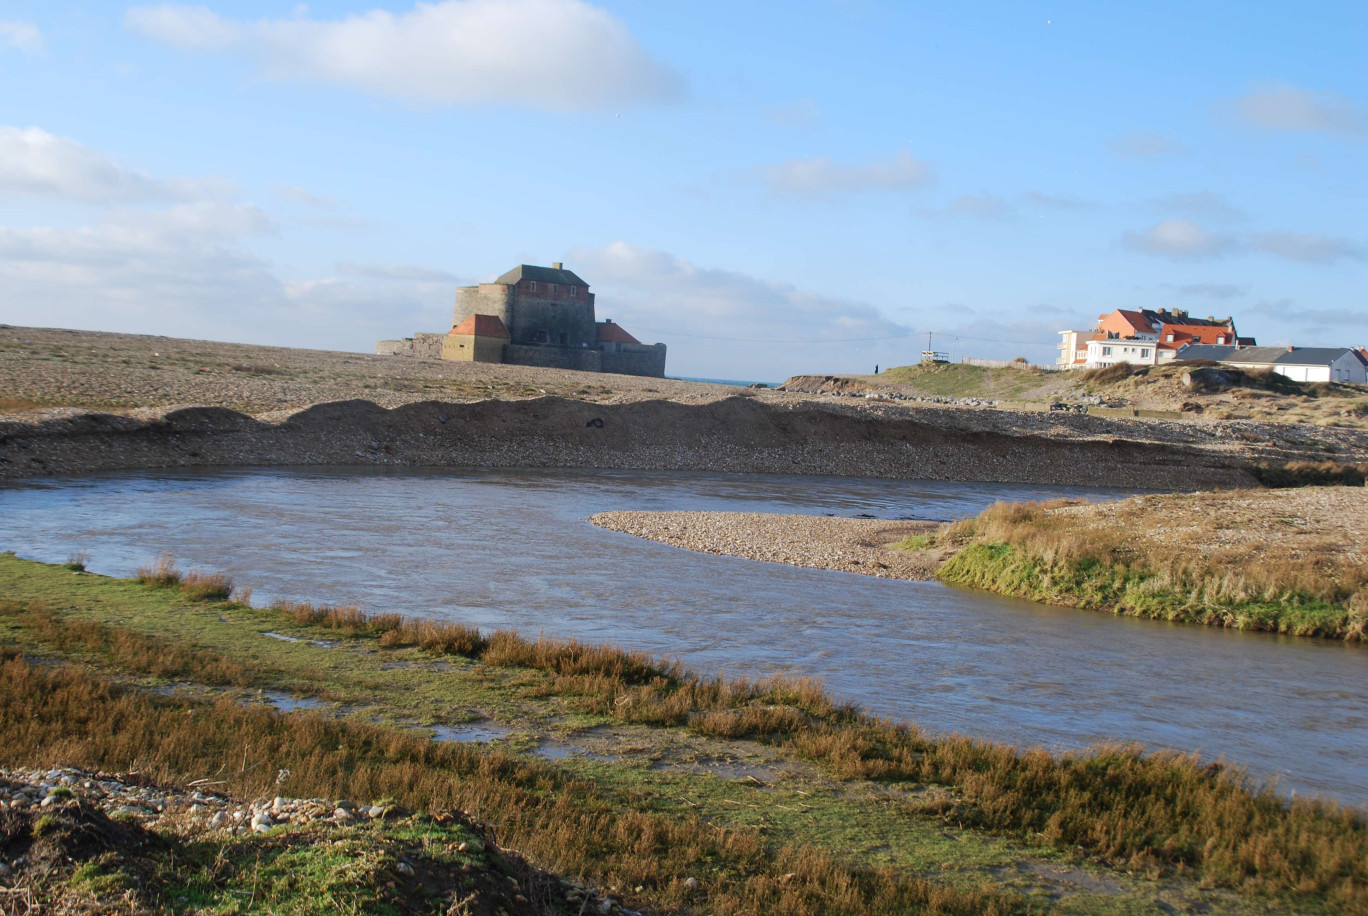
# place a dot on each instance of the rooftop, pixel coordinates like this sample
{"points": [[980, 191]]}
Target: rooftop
{"points": [[556, 274]]}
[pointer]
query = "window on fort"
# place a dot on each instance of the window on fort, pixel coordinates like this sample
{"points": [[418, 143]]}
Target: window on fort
{"points": [[553, 289], [532, 285], [574, 291]]}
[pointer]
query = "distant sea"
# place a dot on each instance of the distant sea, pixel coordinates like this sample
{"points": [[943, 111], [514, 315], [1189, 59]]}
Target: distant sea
{"points": [[722, 381]]}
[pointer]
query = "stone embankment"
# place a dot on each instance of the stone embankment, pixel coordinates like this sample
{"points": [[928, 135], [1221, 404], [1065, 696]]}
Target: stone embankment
{"points": [[856, 545]]}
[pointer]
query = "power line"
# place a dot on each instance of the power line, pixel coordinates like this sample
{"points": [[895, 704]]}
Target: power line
{"points": [[772, 341], [761, 340]]}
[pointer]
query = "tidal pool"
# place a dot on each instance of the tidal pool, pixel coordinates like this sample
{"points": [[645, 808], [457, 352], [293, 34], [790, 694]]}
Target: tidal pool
{"points": [[512, 549]]}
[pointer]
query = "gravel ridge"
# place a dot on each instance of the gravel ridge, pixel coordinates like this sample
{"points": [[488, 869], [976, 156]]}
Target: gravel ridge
{"points": [[857, 545]]}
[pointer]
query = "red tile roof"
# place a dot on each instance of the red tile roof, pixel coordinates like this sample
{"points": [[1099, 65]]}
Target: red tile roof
{"points": [[1199, 333], [482, 326], [613, 333]]}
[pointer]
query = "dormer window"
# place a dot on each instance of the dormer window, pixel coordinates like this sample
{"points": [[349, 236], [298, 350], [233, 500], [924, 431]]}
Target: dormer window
{"points": [[1170, 338], [1220, 340]]}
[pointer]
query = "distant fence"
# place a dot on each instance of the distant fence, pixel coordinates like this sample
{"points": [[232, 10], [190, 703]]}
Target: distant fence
{"points": [[1007, 364]]}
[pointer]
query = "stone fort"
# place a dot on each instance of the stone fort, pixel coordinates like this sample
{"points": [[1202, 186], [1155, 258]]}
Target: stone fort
{"points": [[533, 316]]}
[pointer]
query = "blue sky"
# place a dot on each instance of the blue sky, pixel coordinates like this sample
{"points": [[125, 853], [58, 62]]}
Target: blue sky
{"points": [[768, 189]]}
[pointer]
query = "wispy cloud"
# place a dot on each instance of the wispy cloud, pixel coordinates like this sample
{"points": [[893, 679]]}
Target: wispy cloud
{"points": [[563, 55], [1211, 290], [1202, 204], [819, 176], [36, 163], [1179, 239], [299, 195], [1285, 108], [24, 37], [403, 272], [989, 206], [727, 318], [1309, 248], [1144, 144], [1288, 310]]}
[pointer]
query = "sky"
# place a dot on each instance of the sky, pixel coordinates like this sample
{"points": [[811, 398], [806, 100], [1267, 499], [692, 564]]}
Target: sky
{"points": [[768, 189]]}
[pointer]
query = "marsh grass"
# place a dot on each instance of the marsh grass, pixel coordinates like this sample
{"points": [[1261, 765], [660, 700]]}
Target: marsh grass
{"points": [[62, 715], [125, 649], [1151, 813], [1148, 812], [1165, 560]]}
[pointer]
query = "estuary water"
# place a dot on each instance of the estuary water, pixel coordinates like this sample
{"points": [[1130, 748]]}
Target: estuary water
{"points": [[512, 549]]}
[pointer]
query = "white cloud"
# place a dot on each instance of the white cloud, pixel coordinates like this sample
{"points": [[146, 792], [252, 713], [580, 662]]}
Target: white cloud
{"points": [[35, 162], [1309, 248], [562, 55], [1284, 108], [179, 264], [396, 272], [1144, 144], [24, 37], [819, 176], [716, 320], [1178, 238]]}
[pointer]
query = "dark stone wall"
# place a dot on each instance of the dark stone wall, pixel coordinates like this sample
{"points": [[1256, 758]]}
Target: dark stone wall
{"points": [[583, 360], [647, 359]]}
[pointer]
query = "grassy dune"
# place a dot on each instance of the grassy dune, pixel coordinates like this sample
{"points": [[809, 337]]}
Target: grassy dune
{"points": [[1165, 829], [1283, 562]]}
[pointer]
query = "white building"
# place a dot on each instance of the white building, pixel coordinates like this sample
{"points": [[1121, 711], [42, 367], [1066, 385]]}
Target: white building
{"points": [[1301, 364]]}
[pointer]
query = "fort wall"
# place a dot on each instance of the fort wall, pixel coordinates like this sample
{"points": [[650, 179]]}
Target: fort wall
{"points": [[631, 359]]}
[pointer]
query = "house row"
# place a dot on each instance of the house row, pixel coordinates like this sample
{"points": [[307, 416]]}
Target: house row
{"points": [[1146, 337]]}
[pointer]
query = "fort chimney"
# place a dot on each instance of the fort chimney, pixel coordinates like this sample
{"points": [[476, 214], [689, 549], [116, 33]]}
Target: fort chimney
{"points": [[558, 265]]}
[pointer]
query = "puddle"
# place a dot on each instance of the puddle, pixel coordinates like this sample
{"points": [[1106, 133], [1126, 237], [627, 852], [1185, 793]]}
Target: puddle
{"points": [[474, 731], [320, 643], [287, 703]]}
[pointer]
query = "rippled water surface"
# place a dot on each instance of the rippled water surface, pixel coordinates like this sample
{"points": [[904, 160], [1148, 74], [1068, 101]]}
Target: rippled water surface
{"points": [[512, 549]]}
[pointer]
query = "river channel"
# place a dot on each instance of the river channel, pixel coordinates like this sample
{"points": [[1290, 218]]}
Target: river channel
{"points": [[513, 549]]}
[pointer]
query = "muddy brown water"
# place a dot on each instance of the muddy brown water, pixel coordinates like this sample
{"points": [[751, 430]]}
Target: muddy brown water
{"points": [[513, 549]]}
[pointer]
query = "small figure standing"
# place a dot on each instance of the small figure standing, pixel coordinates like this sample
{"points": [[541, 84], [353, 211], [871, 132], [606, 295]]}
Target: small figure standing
{"points": [[876, 368]]}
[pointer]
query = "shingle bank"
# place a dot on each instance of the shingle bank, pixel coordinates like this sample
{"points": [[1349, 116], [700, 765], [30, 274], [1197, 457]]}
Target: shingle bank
{"points": [[738, 434]]}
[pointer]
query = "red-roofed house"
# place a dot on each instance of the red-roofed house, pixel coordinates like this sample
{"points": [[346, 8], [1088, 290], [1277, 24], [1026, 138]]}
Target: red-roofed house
{"points": [[1143, 337]]}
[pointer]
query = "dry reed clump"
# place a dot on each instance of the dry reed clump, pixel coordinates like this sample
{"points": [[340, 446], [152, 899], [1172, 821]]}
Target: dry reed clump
{"points": [[59, 715], [125, 649], [436, 636], [195, 585], [162, 573]]}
